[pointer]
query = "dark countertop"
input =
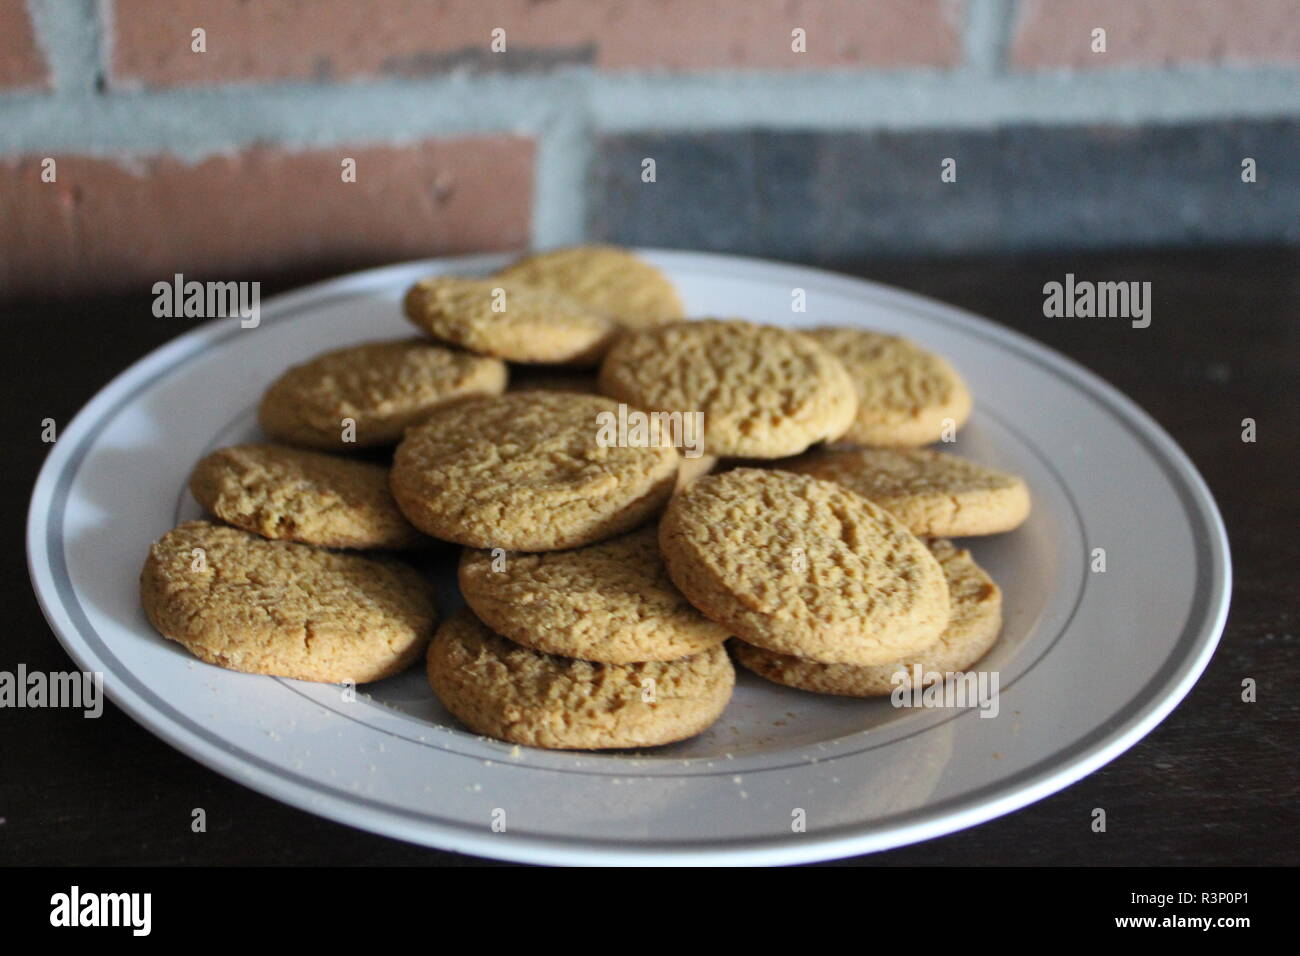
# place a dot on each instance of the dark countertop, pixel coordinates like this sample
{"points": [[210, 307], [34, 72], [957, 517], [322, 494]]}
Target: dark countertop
{"points": [[1216, 783]]}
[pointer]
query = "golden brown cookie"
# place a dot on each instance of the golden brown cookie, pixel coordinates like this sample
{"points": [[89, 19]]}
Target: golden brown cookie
{"points": [[380, 386], [279, 607], [931, 492], [611, 281], [972, 629], [692, 468], [765, 392], [905, 394], [804, 567], [510, 320], [307, 496], [526, 471], [610, 602], [504, 690]]}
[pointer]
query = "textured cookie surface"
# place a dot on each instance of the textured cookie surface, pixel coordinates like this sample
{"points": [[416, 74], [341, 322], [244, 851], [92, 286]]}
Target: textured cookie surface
{"points": [[974, 625], [279, 607], [765, 392], [504, 690], [804, 567], [510, 320], [905, 393], [307, 496], [933, 493], [610, 601], [526, 471], [609, 280], [381, 386]]}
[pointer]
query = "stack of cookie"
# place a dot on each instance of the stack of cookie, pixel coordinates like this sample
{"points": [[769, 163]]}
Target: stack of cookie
{"points": [[603, 579]]}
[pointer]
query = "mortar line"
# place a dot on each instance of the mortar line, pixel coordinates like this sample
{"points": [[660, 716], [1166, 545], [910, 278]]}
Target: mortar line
{"points": [[107, 38], [986, 34], [196, 123], [936, 100], [68, 35], [565, 152]]}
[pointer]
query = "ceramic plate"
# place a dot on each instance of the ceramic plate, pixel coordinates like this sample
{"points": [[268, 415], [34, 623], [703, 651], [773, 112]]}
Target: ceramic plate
{"points": [[1089, 660]]}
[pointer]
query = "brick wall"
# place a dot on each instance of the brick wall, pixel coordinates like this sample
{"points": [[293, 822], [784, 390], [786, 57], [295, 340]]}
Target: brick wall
{"points": [[139, 138]]}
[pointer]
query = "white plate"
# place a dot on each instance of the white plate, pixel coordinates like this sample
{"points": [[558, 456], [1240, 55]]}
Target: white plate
{"points": [[1088, 662]]}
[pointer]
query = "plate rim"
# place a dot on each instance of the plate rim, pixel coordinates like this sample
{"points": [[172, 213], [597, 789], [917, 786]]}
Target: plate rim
{"points": [[1008, 794]]}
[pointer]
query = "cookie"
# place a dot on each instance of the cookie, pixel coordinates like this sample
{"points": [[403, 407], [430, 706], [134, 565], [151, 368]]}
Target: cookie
{"points": [[933, 493], [906, 395], [765, 392], [611, 281], [382, 387], [504, 690], [526, 471], [692, 468], [974, 625], [509, 320], [242, 602], [803, 566], [610, 602], [307, 496]]}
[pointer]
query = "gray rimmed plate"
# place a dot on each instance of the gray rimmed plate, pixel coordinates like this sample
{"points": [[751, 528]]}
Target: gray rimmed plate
{"points": [[1088, 663]]}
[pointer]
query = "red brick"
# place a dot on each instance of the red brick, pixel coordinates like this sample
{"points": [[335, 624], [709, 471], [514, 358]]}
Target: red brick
{"points": [[21, 63], [116, 224], [1058, 33], [312, 39], [755, 34]]}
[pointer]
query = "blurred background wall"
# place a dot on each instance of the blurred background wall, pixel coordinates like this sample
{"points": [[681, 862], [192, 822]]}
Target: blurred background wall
{"points": [[814, 130]]}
